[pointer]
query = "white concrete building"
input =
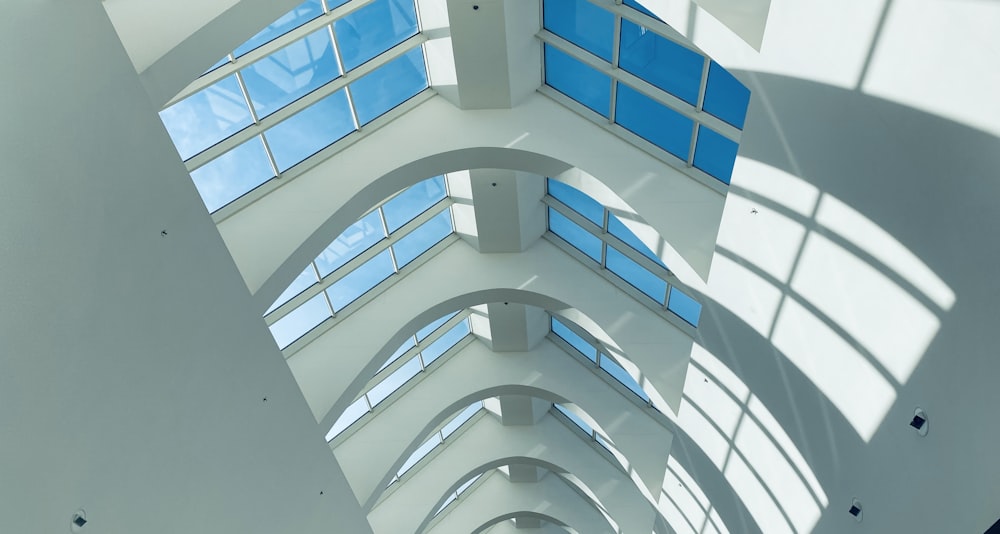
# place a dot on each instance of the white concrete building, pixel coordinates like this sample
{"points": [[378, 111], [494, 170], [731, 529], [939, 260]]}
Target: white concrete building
{"points": [[539, 293]]}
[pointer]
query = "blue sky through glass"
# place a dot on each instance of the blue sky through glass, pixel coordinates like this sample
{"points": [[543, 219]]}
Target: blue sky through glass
{"points": [[583, 24], [302, 282], [360, 280], [636, 275], [207, 117], [407, 345], [300, 320], [715, 154], [684, 306], [355, 411], [619, 230], [394, 381], [575, 235], [291, 72], [233, 174], [415, 200], [356, 239], [451, 426], [373, 29], [621, 375], [577, 200], [578, 80], [429, 329], [389, 86], [661, 62], [577, 342], [447, 340], [654, 122], [302, 14], [725, 96], [311, 130], [422, 238]]}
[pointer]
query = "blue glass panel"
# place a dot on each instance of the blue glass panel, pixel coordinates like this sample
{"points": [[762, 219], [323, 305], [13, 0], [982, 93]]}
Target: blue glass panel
{"points": [[311, 130], [574, 340], [290, 73], [424, 237], [684, 306], [725, 96], [465, 485], [575, 235], [358, 238], [381, 391], [302, 14], [407, 345], [583, 24], [636, 275], [715, 154], [415, 200], [302, 282], [578, 80], [445, 342], [389, 85], [575, 419], [333, 4], [360, 280], [355, 411], [620, 374], [579, 201], [207, 117], [661, 62], [429, 329], [653, 121], [451, 426], [619, 230], [300, 320], [373, 29], [233, 174], [419, 454], [635, 5]]}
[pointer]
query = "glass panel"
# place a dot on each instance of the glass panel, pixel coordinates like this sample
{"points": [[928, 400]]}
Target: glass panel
{"points": [[360, 280], [619, 230], [715, 154], [415, 200], [302, 282], [465, 485], [427, 330], [620, 374], [358, 238], [302, 14], [422, 238], [445, 342], [311, 130], [300, 320], [577, 342], [636, 275], [233, 174], [394, 381], [575, 419], [725, 96], [635, 5], [451, 498], [407, 345], [578, 80], [419, 454], [389, 85], [583, 24], [451, 426], [654, 122], [207, 117], [355, 411], [661, 62], [373, 29], [684, 306], [290, 73], [579, 201], [575, 235], [333, 4]]}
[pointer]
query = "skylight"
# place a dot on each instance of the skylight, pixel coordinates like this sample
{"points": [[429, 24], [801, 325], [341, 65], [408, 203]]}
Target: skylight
{"points": [[653, 85], [568, 334], [313, 77], [588, 227]]}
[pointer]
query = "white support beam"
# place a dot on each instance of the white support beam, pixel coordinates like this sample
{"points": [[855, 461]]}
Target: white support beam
{"points": [[538, 136], [509, 214], [487, 444], [372, 455], [522, 409], [511, 327]]}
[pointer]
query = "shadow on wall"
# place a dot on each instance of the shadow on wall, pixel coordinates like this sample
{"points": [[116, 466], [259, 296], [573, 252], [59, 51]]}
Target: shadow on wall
{"points": [[853, 281]]}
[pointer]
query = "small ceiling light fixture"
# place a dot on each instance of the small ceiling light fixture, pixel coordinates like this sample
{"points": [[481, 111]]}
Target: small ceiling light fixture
{"points": [[919, 422], [475, 7], [78, 521], [855, 510]]}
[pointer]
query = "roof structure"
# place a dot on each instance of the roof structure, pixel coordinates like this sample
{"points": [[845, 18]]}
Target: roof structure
{"points": [[463, 266]]}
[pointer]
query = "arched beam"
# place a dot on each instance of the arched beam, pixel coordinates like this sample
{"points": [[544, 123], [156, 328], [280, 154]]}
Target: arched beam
{"points": [[500, 524], [333, 368], [372, 455], [486, 444], [539, 136]]}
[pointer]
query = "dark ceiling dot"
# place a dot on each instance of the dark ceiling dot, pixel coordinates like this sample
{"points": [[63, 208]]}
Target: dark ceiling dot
{"points": [[494, 184], [475, 7]]}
